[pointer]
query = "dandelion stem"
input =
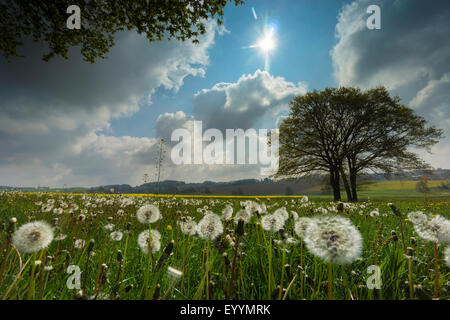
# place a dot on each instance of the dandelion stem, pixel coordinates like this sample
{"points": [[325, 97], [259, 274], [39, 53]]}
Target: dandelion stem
{"points": [[301, 269], [282, 272], [233, 266], [403, 237], [41, 280], [330, 281], [410, 279], [436, 272], [32, 280]]}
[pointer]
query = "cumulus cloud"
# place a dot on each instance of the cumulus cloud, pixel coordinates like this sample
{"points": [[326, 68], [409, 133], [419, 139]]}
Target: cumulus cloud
{"points": [[257, 101], [245, 103], [410, 55], [54, 116]]}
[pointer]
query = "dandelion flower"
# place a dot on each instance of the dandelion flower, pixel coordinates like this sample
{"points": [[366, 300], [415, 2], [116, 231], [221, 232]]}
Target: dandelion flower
{"points": [[144, 240], [227, 213], [79, 243], [302, 225], [109, 227], [242, 215], [210, 227], [417, 217], [282, 212], [116, 235], [60, 237], [148, 214], [272, 222], [436, 229], [33, 236], [188, 227], [334, 239], [447, 256]]}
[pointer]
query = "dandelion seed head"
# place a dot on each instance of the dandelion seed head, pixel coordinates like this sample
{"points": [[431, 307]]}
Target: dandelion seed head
{"points": [[79, 243], [242, 215], [144, 240], [435, 230], [116, 235], [334, 239], [33, 236], [272, 222], [210, 227], [282, 212], [188, 227], [447, 256], [227, 213], [417, 217], [148, 214], [302, 225]]}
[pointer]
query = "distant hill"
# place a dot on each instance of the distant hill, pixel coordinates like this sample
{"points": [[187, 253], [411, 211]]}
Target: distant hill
{"points": [[311, 185]]}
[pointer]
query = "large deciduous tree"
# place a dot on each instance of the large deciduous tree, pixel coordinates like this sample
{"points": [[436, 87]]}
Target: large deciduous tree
{"points": [[100, 20], [345, 132]]}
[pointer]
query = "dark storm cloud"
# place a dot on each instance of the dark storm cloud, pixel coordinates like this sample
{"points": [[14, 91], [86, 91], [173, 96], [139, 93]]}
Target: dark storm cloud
{"points": [[410, 55]]}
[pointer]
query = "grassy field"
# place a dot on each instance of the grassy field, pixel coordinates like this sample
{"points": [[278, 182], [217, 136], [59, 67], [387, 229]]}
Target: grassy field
{"points": [[98, 236], [393, 190]]}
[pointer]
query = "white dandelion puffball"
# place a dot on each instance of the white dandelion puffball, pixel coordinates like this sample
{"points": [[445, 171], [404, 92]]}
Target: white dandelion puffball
{"points": [[334, 239], [436, 229], [417, 217], [144, 240], [116, 235], [33, 236], [447, 256], [227, 213], [210, 227], [242, 215], [148, 214], [188, 227], [79, 243], [302, 225], [272, 222], [282, 212]]}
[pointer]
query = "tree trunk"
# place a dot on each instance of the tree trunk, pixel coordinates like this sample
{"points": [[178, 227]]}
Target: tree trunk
{"points": [[353, 184], [335, 184], [346, 185]]}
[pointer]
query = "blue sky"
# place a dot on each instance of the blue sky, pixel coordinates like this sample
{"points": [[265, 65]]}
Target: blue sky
{"points": [[68, 122], [305, 37]]}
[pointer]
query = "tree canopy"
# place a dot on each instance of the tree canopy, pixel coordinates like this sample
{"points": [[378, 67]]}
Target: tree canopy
{"points": [[345, 132], [100, 20]]}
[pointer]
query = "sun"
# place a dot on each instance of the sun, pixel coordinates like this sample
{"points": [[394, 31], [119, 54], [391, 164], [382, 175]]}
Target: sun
{"points": [[267, 42]]}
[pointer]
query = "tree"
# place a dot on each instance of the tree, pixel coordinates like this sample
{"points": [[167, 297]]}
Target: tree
{"points": [[346, 132], [100, 20], [422, 187]]}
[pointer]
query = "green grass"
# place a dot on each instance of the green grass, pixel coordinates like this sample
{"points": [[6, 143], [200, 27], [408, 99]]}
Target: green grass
{"points": [[251, 276], [394, 190]]}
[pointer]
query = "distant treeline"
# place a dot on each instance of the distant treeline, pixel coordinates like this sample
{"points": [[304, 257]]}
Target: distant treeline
{"points": [[314, 184]]}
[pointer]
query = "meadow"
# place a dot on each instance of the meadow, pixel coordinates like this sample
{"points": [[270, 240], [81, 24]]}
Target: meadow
{"points": [[98, 247]]}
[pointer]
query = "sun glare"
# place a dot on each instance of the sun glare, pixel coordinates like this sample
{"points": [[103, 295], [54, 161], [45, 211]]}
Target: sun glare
{"points": [[267, 43]]}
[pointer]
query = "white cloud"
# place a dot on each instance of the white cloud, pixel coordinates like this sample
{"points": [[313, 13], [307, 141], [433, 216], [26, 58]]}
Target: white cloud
{"points": [[53, 116], [257, 101]]}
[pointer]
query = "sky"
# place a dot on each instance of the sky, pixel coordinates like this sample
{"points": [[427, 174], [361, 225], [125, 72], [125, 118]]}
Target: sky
{"points": [[71, 123]]}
